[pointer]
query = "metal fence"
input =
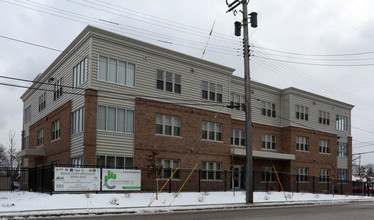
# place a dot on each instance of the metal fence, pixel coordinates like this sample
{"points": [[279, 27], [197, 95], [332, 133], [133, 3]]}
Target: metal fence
{"points": [[41, 179]]}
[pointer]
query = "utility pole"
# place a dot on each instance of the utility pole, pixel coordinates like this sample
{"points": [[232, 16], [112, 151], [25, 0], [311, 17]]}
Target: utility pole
{"points": [[248, 112]]}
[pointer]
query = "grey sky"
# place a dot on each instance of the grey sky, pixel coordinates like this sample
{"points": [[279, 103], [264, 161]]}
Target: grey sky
{"points": [[298, 26]]}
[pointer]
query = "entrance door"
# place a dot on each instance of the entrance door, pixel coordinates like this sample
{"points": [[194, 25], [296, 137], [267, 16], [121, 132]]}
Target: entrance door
{"points": [[237, 177]]}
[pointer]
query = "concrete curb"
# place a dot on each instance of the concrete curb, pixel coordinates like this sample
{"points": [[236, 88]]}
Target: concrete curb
{"points": [[168, 209]]}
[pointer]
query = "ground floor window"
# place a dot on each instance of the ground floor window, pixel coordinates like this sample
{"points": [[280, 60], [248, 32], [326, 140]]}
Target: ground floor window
{"points": [[211, 171], [76, 161], [25, 176], [324, 175], [302, 174], [118, 162], [267, 174], [168, 167], [343, 175]]}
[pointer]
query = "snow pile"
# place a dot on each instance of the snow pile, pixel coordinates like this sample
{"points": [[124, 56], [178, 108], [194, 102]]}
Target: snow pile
{"points": [[30, 201]]}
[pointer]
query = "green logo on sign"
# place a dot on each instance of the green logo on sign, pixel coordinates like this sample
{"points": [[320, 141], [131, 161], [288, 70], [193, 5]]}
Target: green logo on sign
{"points": [[109, 176]]}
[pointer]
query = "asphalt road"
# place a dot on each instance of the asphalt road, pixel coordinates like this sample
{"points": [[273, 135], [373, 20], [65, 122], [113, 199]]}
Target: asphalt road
{"points": [[361, 211]]}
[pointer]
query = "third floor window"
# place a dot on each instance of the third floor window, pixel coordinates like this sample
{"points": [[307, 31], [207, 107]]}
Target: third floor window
{"points": [[211, 91], [116, 71], [268, 109], [80, 73], [168, 81], [324, 117], [302, 112]]}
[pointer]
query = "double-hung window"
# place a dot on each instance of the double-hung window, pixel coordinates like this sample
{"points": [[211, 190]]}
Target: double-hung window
{"points": [[302, 112], [211, 91], [80, 73], [302, 174], [168, 167], [324, 146], [343, 175], [342, 149], [302, 143], [77, 121], [268, 109], [42, 101], [237, 137], [211, 131], [168, 81], [28, 114], [56, 130], [118, 162], [57, 93], [40, 137], [341, 123], [116, 71], [324, 175], [269, 142], [324, 117], [211, 171], [168, 125], [237, 101], [115, 119]]}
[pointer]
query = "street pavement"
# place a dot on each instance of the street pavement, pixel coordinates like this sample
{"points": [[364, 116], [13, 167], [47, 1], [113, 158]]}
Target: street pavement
{"points": [[342, 211]]}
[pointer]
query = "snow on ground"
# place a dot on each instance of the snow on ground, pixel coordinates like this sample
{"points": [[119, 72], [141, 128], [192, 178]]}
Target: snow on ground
{"points": [[15, 202]]}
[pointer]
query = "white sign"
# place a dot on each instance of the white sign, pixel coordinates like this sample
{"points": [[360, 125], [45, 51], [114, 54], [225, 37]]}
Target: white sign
{"points": [[120, 180], [77, 179]]}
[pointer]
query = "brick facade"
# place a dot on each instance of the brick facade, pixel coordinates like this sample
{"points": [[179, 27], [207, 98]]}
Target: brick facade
{"points": [[90, 127], [56, 151]]}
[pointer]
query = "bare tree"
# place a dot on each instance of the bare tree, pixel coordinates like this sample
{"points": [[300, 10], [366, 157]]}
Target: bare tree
{"points": [[14, 162], [3, 156]]}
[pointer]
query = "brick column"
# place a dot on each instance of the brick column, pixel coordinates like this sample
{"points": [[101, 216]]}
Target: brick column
{"points": [[90, 131]]}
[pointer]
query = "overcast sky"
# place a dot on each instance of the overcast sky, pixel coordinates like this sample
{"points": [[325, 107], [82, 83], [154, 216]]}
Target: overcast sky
{"points": [[295, 27]]}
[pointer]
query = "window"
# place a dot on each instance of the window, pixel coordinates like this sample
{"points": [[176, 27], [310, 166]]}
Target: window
{"points": [[342, 149], [324, 117], [79, 74], [302, 174], [26, 142], [324, 175], [324, 146], [58, 89], [268, 141], [168, 81], [237, 101], [40, 137], [116, 71], [211, 171], [211, 131], [268, 109], [343, 175], [28, 114], [76, 161], [115, 119], [267, 174], [168, 125], [42, 102], [341, 123], [302, 112], [77, 121], [168, 167], [302, 143], [214, 93], [25, 176], [118, 162], [56, 130], [237, 137]]}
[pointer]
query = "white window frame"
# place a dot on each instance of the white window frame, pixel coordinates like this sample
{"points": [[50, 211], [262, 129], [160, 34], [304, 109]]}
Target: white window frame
{"points": [[324, 117], [77, 121], [238, 101], [269, 142], [42, 98], [302, 143], [176, 80], [80, 73], [167, 171], [342, 149], [127, 129], [342, 175], [324, 175], [58, 89], [212, 89], [211, 171], [40, 137], [302, 112], [302, 174], [126, 160], [56, 132], [268, 109], [341, 123], [128, 66], [28, 114], [212, 128], [173, 124], [237, 137], [324, 147]]}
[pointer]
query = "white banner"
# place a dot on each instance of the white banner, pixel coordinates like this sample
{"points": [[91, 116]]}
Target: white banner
{"points": [[120, 180], [77, 179]]}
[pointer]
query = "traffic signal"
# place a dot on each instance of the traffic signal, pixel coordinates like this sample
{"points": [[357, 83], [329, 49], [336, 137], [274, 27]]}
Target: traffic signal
{"points": [[238, 28]]}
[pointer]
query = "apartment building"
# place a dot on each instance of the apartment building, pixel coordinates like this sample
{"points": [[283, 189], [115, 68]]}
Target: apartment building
{"points": [[109, 100]]}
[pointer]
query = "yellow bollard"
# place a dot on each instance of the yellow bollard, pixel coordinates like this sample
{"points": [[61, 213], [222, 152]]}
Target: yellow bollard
{"points": [[163, 186], [280, 183]]}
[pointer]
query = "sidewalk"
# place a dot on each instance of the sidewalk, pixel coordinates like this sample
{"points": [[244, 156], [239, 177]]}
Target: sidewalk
{"points": [[26, 204]]}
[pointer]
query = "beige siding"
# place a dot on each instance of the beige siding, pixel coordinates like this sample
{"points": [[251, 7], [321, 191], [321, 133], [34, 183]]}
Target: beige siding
{"points": [[113, 143], [342, 163], [76, 145], [76, 96]]}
